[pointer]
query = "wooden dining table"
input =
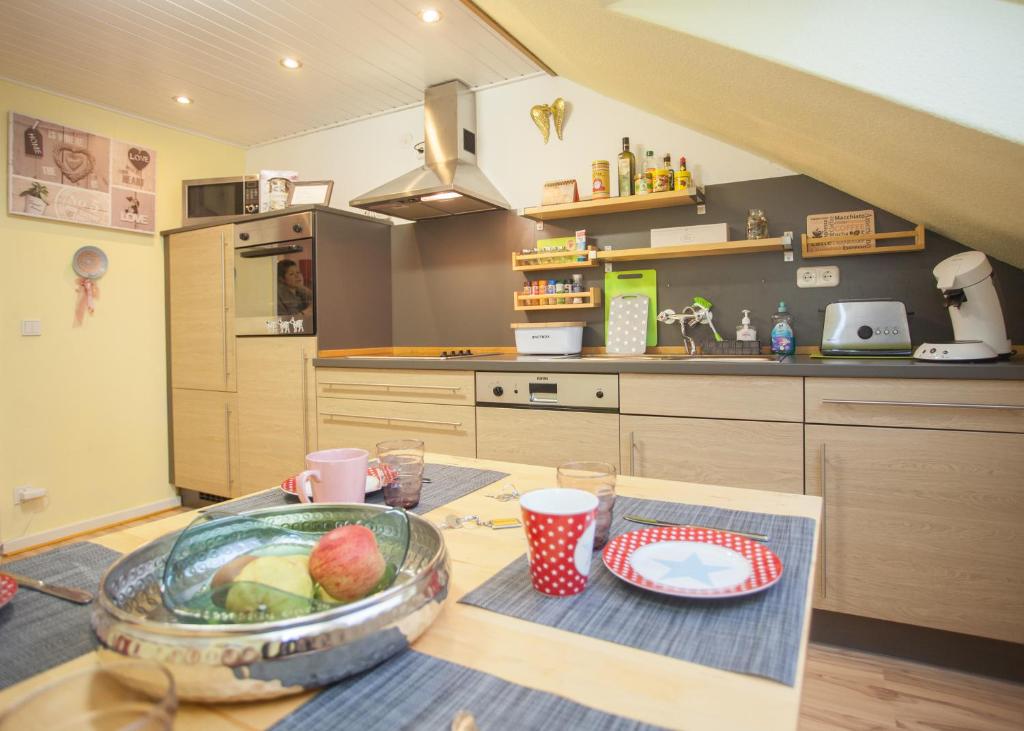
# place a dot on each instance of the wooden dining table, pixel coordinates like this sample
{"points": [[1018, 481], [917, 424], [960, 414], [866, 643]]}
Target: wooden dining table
{"points": [[603, 675]]}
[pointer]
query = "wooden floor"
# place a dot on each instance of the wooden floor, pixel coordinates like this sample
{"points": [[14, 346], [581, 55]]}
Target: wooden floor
{"points": [[846, 690]]}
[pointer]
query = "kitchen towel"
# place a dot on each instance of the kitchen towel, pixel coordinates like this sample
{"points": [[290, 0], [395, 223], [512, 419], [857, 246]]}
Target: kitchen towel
{"points": [[759, 634], [38, 631], [415, 691], [447, 483]]}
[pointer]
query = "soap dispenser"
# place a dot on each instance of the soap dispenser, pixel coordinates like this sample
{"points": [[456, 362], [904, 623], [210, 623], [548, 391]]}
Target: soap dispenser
{"points": [[744, 331]]}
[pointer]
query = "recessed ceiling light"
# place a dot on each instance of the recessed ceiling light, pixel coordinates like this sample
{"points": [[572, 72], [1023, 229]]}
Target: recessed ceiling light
{"points": [[430, 15], [291, 63], [182, 99]]}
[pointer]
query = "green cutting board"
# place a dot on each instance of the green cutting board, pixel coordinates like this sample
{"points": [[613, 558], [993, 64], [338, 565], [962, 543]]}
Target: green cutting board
{"points": [[640, 281]]}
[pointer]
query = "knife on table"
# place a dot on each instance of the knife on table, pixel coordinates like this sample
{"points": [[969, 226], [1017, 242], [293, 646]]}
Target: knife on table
{"points": [[652, 521], [78, 596]]}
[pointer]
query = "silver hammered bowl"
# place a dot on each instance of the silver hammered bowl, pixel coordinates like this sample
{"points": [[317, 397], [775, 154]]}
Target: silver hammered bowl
{"points": [[241, 662]]}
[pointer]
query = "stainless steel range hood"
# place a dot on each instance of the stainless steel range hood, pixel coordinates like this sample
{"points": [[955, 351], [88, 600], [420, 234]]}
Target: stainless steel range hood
{"points": [[449, 183]]}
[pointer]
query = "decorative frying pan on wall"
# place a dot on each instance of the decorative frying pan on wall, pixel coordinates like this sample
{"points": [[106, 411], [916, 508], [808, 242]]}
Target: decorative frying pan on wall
{"points": [[89, 263]]}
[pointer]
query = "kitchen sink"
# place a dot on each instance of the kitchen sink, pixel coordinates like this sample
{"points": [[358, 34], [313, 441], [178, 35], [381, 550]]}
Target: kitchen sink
{"points": [[687, 358]]}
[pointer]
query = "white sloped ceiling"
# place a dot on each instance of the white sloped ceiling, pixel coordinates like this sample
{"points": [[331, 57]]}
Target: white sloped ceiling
{"points": [[958, 169]]}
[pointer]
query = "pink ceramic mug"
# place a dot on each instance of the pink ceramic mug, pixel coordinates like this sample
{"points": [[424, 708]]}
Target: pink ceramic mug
{"points": [[333, 476]]}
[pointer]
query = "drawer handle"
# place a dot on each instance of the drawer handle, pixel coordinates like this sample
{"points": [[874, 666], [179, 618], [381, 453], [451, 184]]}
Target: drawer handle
{"points": [[389, 419], [400, 386], [858, 402]]}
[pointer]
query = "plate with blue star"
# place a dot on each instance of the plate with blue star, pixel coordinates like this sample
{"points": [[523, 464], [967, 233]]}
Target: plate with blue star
{"points": [[688, 561]]}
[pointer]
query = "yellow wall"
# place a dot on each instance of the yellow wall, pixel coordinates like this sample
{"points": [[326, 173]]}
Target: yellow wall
{"points": [[83, 410]]}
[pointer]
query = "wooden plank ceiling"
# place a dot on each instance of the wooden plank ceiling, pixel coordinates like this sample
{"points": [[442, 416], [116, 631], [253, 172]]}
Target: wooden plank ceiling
{"points": [[360, 57]]}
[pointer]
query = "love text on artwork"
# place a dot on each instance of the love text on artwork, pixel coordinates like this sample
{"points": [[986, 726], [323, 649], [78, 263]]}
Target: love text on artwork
{"points": [[130, 217]]}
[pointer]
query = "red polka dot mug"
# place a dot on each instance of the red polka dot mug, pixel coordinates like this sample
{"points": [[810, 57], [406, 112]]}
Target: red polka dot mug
{"points": [[559, 525]]}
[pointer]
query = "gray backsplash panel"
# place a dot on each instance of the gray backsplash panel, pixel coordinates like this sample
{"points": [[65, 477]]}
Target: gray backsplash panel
{"points": [[453, 282]]}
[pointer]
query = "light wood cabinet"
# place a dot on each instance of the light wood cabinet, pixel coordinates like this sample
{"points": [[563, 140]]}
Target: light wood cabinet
{"points": [[921, 526], [200, 294], [546, 437], [763, 398], [343, 422], [456, 388], [754, 454], [205, 437], [274, 392], [920, 403]]}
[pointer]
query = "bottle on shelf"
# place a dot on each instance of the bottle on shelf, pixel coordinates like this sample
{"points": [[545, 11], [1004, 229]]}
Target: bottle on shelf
{"points": [[627, 169], [745, 331], [671, 173], [649, 167], [783, 340], [683, 178]]}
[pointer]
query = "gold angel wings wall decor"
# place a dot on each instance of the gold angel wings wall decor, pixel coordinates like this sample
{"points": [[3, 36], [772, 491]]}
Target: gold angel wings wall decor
{"points": [[541, 115]]}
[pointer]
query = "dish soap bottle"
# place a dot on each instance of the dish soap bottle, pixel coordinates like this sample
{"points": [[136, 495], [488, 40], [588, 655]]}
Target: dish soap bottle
{"points": [[783, 342], [744, 331]]}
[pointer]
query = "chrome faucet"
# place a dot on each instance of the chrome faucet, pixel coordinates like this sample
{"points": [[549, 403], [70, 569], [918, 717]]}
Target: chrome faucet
{"points": [[699, 313]]}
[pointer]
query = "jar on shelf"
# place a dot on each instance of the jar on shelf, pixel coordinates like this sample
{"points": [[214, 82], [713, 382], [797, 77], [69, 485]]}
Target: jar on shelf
{"points": [[601, 178], [757, 224]]}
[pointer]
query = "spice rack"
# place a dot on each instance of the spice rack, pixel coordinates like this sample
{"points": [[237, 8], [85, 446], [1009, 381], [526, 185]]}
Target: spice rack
{"points": [[526, 302], [551, 260], [814, 248], [618, 204]]}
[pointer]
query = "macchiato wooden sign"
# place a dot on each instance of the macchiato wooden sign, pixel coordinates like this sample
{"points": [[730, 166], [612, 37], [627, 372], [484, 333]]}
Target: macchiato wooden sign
{"points": [[65, 174]]}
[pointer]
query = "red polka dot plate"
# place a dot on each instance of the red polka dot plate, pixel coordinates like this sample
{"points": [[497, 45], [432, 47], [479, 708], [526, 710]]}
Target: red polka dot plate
{"points": [[699, 563], [8, 588]]}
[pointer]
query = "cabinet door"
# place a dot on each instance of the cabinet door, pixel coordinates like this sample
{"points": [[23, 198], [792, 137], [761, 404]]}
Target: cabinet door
{"points": [[205, 431], [201, 315], [543, 437], [754, 454], [273, 409], [343, 422], [921, 526]]}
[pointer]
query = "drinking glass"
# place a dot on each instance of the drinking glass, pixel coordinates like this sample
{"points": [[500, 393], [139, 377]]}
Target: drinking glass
{"points": [[129, 694], [597, 478], [405, 457]]}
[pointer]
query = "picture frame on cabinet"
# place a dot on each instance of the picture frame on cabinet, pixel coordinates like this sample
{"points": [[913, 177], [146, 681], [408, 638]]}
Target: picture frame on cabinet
{"points": [[310, 192]]}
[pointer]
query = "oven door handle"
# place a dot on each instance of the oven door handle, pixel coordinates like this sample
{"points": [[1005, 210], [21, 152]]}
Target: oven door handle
{"points": [[257, 252]]}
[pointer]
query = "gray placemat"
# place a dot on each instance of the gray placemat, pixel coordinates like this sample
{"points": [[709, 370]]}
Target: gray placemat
{"points": [[423, 693], [447, 483], [759, 634], [38, 631]]}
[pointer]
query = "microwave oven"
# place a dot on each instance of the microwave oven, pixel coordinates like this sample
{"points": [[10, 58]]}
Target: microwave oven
{"points": [[212, 200]]}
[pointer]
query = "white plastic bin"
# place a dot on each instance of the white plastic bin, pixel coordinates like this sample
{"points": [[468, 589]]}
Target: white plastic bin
{"points": [[548, 338]]}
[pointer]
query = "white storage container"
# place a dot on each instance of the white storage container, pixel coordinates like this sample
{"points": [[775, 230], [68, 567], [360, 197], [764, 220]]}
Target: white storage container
{"points": [[548, 338]]}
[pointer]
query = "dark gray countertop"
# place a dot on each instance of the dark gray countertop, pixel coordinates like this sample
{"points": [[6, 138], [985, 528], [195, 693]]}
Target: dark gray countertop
{"points": [[800, 365], [285, 212]]}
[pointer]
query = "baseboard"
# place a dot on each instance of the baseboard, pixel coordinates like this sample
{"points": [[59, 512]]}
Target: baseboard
{"points": [[102, 521]]}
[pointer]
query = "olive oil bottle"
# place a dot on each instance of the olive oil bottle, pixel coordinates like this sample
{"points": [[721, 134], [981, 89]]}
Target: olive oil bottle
{"points": [[627, 169]]}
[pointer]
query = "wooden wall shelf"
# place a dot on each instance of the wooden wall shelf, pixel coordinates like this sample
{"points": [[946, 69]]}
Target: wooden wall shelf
{"points": [[550, 260], [809, 244], [683, 251], [525, 302], [600, 206]]}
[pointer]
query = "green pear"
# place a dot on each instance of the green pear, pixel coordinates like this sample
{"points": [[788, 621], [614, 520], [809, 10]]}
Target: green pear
{"points": [[260, 583]]}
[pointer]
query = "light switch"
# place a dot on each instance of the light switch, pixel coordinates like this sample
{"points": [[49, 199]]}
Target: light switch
{"points": [[31, 327]]}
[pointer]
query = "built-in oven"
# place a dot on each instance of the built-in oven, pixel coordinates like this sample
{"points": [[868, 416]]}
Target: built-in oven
{"points": [[275, 275]]}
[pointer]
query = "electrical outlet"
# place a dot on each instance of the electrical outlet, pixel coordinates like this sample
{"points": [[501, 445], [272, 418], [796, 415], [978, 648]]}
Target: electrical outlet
{"points": [[27, 492], [807, 277], [31, 327]]}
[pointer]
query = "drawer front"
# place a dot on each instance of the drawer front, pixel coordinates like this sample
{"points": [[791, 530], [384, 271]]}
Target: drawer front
{"points": [[996, 406], [423, 387], [759, 398], [751, 454], [546, 437], [356, 423]]}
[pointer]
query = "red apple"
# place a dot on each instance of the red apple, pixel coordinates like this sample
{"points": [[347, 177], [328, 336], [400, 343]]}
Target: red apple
{"points": [[347, 562]]}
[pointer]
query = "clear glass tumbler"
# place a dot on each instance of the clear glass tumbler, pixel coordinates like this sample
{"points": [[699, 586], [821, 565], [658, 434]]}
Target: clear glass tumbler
{"points": [[131, 694], [405, 457], [597, 478]]}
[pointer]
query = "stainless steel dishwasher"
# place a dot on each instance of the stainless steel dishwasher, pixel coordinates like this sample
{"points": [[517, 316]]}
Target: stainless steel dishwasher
{"points": [[547, 418]]}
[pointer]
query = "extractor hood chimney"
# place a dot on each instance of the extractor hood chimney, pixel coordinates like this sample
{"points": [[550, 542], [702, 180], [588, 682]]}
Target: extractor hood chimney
{"points": [[449, 183]]}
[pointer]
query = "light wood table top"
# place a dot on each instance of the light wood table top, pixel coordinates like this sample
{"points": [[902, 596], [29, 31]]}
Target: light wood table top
{"points": [[614, 678]]}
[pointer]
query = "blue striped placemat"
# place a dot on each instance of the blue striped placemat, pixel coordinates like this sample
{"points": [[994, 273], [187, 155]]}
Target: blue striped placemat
{"points": [[417, 692], [758, 634], [38, 631], [447, 483]]}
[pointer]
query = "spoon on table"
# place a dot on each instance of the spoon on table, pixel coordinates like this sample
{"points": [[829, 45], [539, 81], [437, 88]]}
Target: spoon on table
{"points": [[78, 596]]}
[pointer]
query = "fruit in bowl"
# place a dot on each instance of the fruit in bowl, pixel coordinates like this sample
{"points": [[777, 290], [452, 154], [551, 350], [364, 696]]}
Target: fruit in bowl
{"points": [[274, 584], [347, 563]]}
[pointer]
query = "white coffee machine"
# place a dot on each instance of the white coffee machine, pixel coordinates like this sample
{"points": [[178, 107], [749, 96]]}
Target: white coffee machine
{"points": [[979, 330]]}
